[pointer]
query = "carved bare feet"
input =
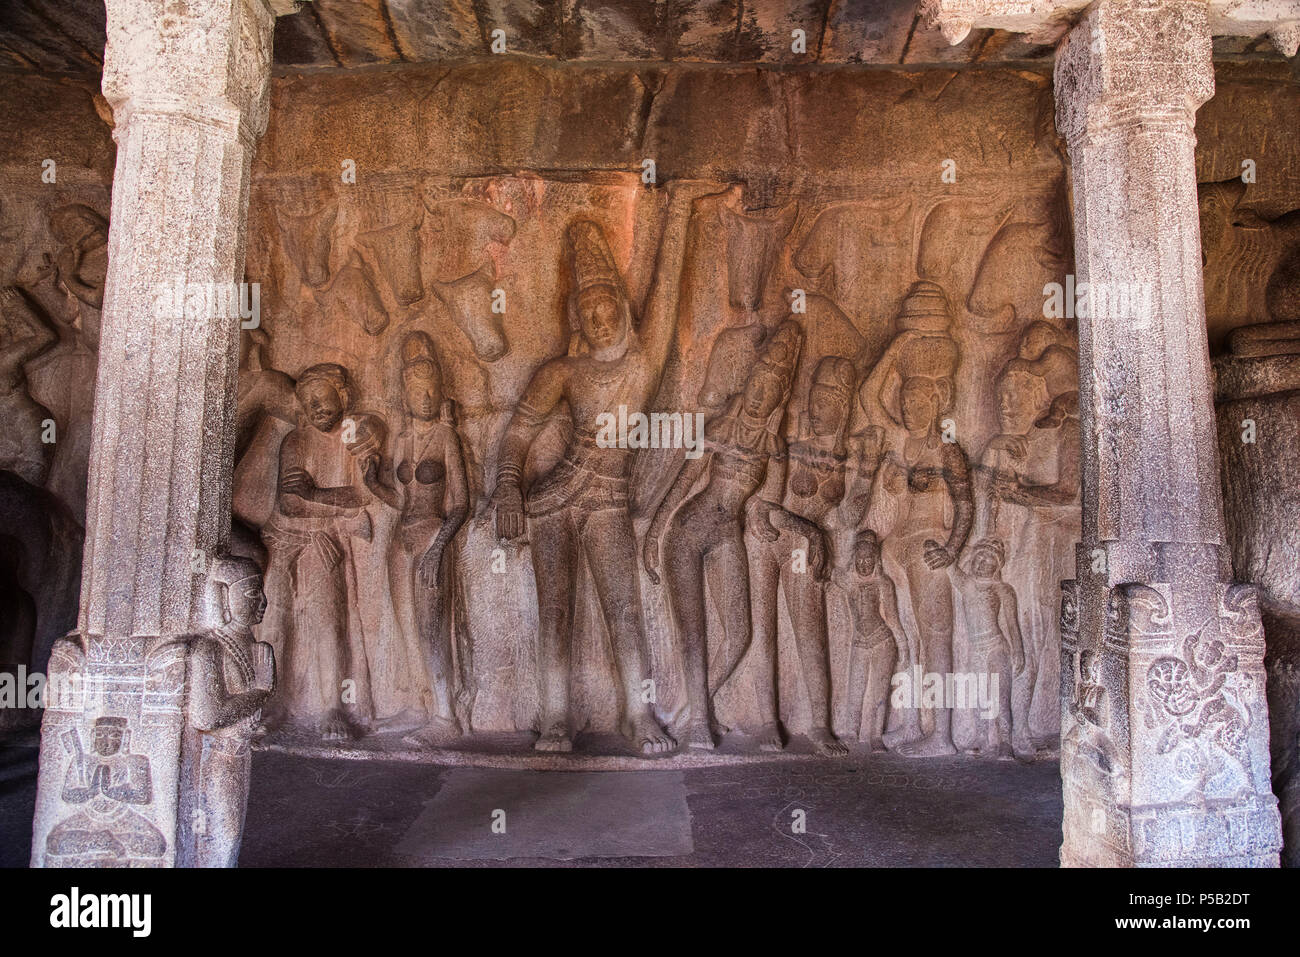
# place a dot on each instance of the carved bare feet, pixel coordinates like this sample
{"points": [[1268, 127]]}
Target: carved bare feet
{"points": [[698, 736], [335, 727], [769, 738], [644, 732], [826, 743], [905, 733], [438, 733], [465, 705], [1022, 745], [556, 738], [931, 746]]}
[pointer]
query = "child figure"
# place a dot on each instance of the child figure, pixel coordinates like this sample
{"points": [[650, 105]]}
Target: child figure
{"points": [[878, 640], [993, 631]]}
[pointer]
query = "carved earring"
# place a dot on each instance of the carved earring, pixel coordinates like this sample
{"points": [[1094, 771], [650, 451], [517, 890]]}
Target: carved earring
{"points": [[947, 395]]}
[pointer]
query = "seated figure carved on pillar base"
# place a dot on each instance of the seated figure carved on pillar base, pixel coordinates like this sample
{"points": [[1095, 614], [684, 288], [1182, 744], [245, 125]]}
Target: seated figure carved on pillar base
{"points": [[148, 739], [106, 786], [113, 727]]}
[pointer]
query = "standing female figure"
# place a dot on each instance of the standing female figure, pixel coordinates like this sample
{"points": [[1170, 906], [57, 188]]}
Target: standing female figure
{"points": [[426, 484], [813, 488], [743, 451]]}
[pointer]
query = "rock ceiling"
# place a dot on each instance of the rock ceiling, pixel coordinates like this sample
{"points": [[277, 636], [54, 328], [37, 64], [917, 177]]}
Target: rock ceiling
{"points": [[68, 35]]}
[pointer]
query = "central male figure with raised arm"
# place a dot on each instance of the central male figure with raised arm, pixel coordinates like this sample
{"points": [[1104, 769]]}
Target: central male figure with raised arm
{"points": [[581, 505]]}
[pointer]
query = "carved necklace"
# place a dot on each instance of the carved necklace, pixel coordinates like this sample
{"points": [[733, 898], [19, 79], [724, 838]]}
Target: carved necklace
{"points": [[429, 436], [607, 372], [911, 458]]}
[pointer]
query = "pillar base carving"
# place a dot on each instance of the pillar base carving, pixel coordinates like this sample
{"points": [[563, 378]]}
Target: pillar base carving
{"points": [[1164, 732], [110, 748]]}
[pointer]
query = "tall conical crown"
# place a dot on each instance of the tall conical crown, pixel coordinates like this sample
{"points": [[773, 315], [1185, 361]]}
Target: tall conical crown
{"points": [[593, 264]]}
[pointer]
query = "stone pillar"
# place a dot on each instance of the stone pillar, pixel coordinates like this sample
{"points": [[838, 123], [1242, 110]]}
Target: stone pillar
{"points": [[1164, 753], [188, 85]]}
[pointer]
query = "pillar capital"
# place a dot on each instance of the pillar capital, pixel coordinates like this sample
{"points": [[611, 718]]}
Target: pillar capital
{"points": [[209, 61], [1046, 20], [1133, 62]]}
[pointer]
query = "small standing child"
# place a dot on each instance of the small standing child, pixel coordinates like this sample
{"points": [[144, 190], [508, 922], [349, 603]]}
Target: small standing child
{"points": [[992, 630], [878, 641]]}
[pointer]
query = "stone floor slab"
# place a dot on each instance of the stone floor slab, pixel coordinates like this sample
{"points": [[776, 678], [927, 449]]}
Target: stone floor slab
{"points": [[874, 811], [494, 814]]}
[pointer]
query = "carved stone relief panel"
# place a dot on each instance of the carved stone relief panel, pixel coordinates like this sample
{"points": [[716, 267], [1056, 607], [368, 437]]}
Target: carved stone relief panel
{"points": [[859, 511]]}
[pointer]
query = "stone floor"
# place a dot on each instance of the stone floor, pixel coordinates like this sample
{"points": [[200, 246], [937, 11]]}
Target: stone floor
{"points": [[864, 811]]}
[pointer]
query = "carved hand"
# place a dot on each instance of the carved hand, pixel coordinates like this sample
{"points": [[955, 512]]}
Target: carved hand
{"points": [[937, 556], [365, 448], [818, 544], [10, 301], [759, 517], [650, 556], [67, 262], [1014, 444], [1008, 486], [509, 505], [819, 551], [263, 666], [994, 483], [921, 479], [46, 269], [895, 478], [297, 481], [430, 565]]}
